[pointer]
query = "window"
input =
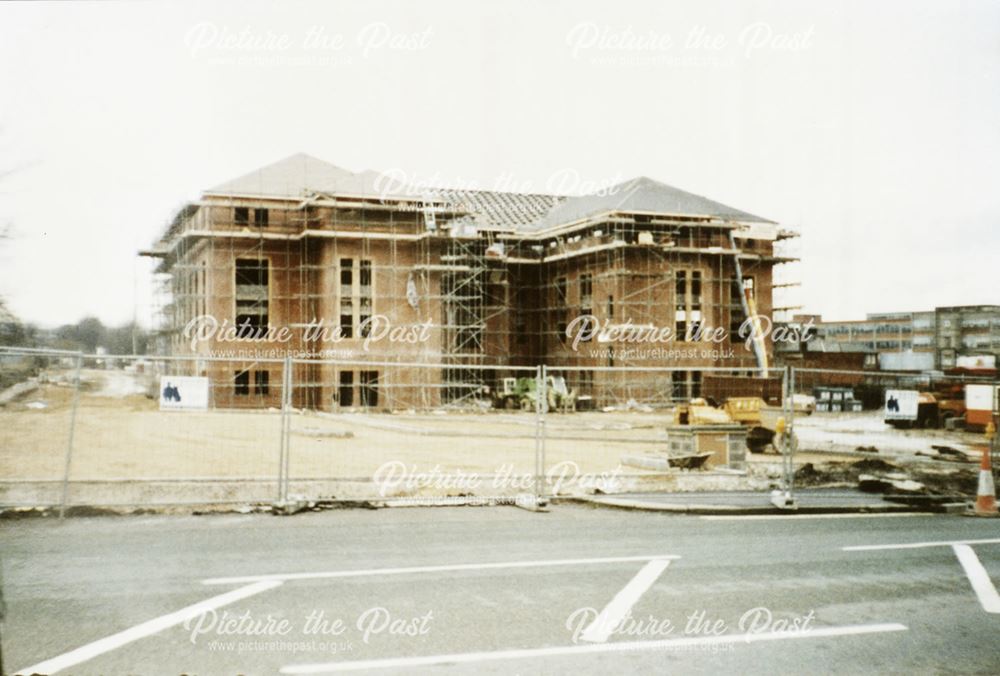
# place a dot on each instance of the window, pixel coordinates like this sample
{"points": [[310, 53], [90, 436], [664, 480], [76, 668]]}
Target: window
{"points": [[241, 215], [346, 274], [369, 388], [680, 304], [260, 218], [365, 295], [586, 292], [737, 317], [687, 309], [345, 393], [261, 381], [560, 309], [251, 298], [586, 298], [347, 297], [241, 383], [694, 302], [695, 384], [685, 385]]}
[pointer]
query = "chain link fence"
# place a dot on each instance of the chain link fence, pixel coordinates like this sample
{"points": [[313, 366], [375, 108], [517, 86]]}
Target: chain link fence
{"points": [[102, 430]]}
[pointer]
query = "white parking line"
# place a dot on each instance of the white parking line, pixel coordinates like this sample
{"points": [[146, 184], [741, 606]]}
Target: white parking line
{"points": [[154, 626], [431, 569], [979, 578], [920, 545], [634, 646], [769, 517], [613, 614]]}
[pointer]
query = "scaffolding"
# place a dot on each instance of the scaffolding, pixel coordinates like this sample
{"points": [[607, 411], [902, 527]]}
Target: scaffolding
{"points": [[495, 288]]}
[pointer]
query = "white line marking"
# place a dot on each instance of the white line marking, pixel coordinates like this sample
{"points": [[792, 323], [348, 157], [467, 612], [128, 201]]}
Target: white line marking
{"points": [[768, 517], [979, 578], [613, 614], [430, 569], [154, 626], [920, 545], [666, 644]]}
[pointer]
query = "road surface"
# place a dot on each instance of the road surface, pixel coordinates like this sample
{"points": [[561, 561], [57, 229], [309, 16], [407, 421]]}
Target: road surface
{"points": [[501, 590]]}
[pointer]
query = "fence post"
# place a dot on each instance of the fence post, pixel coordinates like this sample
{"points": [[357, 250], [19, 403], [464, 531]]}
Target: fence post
{"points": [[790, 451], [69, 440], [785, 439], [287, 414], [283, 447], [541, 407]]}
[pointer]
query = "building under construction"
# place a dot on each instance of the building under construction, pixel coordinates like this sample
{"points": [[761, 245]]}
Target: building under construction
{"points": [[305, 258]]}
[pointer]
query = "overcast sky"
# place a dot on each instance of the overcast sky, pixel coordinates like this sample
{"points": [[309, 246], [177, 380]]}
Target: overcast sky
{"points": [[873, 128]]}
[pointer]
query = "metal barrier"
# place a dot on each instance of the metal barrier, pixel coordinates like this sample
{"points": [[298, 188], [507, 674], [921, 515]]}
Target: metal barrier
{"points": [[78, 429]]}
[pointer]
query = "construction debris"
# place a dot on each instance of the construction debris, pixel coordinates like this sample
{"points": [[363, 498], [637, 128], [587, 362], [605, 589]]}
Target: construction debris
{"points": [[871, 483], [876, 475]]}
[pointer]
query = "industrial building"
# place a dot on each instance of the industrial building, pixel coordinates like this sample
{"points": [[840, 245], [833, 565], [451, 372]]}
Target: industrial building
{"points": [[964, 336], [302, 257]]}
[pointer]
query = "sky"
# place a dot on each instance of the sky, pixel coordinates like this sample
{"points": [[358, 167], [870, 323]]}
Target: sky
{"points": [[869, 127]]}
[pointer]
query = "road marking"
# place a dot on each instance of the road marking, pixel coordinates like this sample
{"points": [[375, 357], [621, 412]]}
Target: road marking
{"points": [[154, 626], [633, 646], [920, 545], [431, 569], [979, 578], [613, 614], [768, 517]]}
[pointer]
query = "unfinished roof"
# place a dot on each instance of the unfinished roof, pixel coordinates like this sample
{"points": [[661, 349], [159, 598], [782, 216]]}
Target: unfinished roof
{"points": [[640, 195], [501, 210], [302, 175]]}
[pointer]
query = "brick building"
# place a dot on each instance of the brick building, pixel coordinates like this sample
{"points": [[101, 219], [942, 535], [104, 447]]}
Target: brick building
{"points": [[302, 257]]}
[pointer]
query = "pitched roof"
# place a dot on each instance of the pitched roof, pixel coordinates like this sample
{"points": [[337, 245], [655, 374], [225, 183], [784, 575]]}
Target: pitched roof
{"points": [[301, 175], [640, 195], [297, 176]]}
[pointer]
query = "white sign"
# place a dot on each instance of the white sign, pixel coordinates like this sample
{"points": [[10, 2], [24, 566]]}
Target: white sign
{"points": [[183, 393], [979, 397], [901, 404], [984, 361]]}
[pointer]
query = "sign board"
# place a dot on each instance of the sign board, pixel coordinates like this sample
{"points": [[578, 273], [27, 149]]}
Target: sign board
{"points": [[979, 397], [979, 403], [178, 393], [901, 404], [984, 361]]}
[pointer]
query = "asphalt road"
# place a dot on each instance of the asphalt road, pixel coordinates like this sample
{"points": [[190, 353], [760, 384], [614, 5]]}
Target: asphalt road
{"points": [[464, 590]]}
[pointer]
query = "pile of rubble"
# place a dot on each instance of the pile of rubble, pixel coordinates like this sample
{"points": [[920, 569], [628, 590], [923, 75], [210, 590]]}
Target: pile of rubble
{"points": [[890, 478]]}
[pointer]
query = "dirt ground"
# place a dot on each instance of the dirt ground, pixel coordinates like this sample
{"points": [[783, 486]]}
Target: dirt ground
{"points": [[121, 434]]}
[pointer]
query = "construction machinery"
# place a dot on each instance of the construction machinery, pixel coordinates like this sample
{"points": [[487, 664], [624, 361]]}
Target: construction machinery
{"points": [[522, 393], [753, 413]]}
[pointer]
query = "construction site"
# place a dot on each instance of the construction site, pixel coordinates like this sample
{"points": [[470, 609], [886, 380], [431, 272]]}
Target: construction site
{"points": [[304, 258], [316, 326]]}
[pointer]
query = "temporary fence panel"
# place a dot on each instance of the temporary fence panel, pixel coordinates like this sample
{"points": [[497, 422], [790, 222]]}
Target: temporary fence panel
{"points": [[406, 432]]}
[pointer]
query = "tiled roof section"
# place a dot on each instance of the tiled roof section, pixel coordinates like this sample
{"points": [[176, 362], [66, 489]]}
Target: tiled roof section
{"points": [[501, 210], [302, 175], [639, 195]]}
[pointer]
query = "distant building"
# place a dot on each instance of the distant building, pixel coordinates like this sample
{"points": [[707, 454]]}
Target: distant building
{"points": [[939, 339]]}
